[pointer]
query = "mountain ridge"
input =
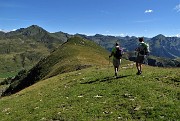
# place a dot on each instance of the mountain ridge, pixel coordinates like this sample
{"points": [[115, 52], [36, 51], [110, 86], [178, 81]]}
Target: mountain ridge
{"points": [[24, 46], [70, 56], [169, 45]]}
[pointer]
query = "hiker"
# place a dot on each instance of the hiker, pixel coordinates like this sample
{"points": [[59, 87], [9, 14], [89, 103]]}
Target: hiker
{"points": [[117, 53], [142, 50]]}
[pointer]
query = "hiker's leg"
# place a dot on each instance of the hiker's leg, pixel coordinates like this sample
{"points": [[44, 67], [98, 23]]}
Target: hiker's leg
{"points": [[116, 64], [140, 67], [137, 63], [115, 70], [140, 64], [119, 64], [137, 66]]}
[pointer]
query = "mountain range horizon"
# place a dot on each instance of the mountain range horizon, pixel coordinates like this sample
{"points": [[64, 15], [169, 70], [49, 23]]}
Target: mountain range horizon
{"points": [[160, 45], [120, 35]]}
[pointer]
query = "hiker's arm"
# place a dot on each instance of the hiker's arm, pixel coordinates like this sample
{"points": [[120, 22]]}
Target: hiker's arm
{"points": [[122, 51], [137, 49], [111, 54]]}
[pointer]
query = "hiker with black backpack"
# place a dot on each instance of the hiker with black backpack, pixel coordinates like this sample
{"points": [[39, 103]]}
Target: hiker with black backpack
{"points": [[117, 53], [142, 50]]}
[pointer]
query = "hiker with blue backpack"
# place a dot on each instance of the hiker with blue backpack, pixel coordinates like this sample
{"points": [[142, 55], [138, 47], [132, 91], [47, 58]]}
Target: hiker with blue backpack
{"points": [[142, 51], [117, 53]]}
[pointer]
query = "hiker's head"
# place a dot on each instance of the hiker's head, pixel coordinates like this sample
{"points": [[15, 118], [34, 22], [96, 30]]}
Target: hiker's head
{"points": [[117, 44], [141, 39]]}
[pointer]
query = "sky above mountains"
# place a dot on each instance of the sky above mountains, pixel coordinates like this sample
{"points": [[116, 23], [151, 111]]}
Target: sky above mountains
{"points": [[108, 17]]}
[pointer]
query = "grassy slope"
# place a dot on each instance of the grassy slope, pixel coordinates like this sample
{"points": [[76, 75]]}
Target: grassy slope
{"points": [[75, 54], [93, 94], [12, 62]]}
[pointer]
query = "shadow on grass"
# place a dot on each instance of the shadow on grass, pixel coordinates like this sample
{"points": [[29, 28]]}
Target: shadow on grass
{"points": [[106, 79]]}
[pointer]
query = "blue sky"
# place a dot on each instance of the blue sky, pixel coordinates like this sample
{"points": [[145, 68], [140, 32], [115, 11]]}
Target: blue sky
{"points": [[108, 17]]}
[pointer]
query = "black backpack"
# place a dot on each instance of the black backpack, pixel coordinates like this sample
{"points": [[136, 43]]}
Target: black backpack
{"points": [[118, 53]]}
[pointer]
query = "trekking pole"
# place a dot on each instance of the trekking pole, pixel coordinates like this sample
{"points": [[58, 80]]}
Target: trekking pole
{"points": [[109, 66], [135, 53], [109, 61], [146, 59]]}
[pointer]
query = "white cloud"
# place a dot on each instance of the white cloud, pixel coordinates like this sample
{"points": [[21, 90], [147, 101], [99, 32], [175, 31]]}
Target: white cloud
{"points": [[14, 30], [122, 35], [7, 30], [148, 11], [177, 8], [178, 35]]}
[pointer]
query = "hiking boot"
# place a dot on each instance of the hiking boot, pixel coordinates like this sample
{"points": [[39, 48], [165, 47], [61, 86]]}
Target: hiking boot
{"points": [[139, 72]]}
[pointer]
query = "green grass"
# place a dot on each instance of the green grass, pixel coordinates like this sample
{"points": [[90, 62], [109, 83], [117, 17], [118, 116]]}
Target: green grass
{"points": [[17, 50], [6, 75], [75, 54], [93, 94]]}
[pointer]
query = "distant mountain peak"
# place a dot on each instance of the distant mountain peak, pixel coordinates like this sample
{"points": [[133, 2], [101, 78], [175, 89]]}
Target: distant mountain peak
{"points": [[29, 31], [35, 27], [160, 35], [99, 35]]}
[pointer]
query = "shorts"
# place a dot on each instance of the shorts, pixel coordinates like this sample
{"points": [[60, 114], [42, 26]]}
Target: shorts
{"points": [[140, 59], [116, 62]]}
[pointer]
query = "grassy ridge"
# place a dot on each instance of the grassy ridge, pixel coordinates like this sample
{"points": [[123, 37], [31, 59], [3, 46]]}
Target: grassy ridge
{"points": [[77, 53], [93, 94]]}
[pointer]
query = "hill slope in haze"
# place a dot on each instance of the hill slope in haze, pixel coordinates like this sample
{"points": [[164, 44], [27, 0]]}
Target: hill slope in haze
{"points": [[165, 46], [160, 46], [23, 48], [75, 54]]}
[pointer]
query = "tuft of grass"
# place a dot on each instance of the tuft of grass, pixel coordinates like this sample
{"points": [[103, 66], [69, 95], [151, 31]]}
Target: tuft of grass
{"points": [[94, 94]]}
